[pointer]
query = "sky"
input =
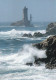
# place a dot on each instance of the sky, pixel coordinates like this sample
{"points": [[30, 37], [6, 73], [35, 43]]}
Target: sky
{"points": [[41, 10]]}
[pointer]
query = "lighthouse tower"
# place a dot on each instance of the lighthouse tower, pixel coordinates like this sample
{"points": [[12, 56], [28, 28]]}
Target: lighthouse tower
{"points": [[24, 21], [25, 15], [30, 18]]}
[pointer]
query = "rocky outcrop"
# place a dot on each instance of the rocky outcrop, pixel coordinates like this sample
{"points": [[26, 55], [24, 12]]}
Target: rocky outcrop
{"points": [[38, 34], [51, 29], [29, 64], [34, 35], [50, 46], [27, 35]]}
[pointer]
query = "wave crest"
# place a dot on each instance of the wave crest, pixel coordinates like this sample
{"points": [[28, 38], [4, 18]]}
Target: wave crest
{"points": [[18, 33]]}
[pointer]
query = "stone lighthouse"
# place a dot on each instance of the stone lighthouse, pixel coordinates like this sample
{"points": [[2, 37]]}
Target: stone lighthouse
{"points": [[24, 21], [25, 14]]}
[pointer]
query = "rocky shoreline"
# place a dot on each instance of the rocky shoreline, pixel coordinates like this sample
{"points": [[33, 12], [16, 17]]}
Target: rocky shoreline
{"points": [[51, 30], [50, 46], [34, 35]]}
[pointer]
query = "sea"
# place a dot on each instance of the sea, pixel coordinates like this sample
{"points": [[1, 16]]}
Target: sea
{"points": [[16, 51]]}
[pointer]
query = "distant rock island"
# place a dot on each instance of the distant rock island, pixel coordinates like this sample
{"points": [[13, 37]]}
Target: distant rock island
{"points": [[24, 21]]}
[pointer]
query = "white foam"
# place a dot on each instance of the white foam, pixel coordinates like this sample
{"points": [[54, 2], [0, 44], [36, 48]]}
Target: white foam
{"points": [[23, 56], [30, 73], [16, 71], [17, 33], [29, 52]]}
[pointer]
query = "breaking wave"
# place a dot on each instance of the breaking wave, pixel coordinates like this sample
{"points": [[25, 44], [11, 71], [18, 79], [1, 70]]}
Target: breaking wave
{"points": [[26, 54], [17, 33], [12, 66]]}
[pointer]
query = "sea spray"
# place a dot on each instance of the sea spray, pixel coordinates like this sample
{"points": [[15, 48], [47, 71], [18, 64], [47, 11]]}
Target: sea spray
{"points": [[26, 54], [18, 33], [13, 55]]}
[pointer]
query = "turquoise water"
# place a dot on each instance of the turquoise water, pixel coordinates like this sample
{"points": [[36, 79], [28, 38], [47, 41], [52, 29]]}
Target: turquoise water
{"points": [[16, 51]]}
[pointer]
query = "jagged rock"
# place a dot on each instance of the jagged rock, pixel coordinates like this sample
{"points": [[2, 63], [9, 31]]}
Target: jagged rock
{"points": [[29, 64], [50, 46], [51, 64], [34, 35], [27, 35], [41, 45], [51, 25], [51, 29], [39, 60], [38, 34]]}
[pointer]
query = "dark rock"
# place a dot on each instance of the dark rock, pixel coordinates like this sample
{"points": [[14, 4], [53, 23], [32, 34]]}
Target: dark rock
{"points": [[51, 66], [51, 25], [27, 35], [42, 45], [51, 29], [29, 64], [34, 35], [39, 60], [50, 46], [38, 34]]}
